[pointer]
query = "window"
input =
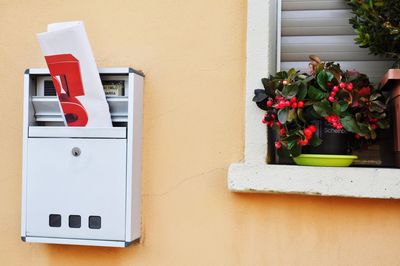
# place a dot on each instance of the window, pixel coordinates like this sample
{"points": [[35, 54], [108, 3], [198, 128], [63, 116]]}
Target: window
{"points": [[322, 28], [254, 174]]}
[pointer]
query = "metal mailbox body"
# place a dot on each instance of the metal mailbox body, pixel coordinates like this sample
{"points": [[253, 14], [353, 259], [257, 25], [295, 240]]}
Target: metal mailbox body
{"points": [[82, 185]]}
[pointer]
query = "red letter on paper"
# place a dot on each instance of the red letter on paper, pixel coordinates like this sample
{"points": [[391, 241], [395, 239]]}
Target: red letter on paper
{"points": [[66, 76]]}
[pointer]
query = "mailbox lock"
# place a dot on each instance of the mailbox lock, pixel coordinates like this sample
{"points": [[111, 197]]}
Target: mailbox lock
{"points": [[76, 151]]}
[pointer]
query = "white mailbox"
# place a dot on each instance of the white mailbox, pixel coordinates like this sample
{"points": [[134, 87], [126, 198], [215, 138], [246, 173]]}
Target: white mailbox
{"points": [[82, 185]]}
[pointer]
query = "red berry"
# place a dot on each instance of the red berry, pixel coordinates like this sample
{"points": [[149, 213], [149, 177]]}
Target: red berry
{"points": [[294, 105], [293, 100], [303, 142], [264, 121], [300, 104], [350, 86], [278, 124], [335, 89], [312, 128], [342, 85], [308, 133], [357, 136], [329, 84], [270, 103], [333, 93], [373, 126], [331, 99], [287, 103], [278, 144], [282, 131]]}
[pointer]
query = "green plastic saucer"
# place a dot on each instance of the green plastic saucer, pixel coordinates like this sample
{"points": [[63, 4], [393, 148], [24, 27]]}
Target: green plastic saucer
{"points": [[324, 160]]}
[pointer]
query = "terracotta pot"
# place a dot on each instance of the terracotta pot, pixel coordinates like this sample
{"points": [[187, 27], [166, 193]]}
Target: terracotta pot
{"points": [[391, 83]]}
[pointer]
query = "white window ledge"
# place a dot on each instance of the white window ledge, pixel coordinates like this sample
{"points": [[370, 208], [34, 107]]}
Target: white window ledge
{"points": [[324, 181], [254, 175]]}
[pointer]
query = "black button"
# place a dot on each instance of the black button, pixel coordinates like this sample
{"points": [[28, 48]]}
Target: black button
{"points": [[94, 222], [55, 220], [74, 221]]}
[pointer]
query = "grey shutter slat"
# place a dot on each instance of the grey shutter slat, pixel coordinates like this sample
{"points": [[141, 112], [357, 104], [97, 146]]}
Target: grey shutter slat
{"points": [[321, 27], [316, 22], [313, 4], [332, 48]]}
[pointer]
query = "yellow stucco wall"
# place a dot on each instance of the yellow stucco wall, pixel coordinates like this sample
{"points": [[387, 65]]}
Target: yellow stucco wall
{"points": [[193, 54]]}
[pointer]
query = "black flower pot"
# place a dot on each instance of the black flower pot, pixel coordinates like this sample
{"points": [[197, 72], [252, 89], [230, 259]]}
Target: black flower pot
{"points": [[334, 141], [276, 156]]}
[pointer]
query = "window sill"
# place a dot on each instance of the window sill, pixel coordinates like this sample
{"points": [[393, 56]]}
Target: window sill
{"points": [[383, 183], [254, 175]]}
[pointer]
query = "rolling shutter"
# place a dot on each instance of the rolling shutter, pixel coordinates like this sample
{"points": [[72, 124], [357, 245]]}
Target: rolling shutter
{"points": [[321, 27]]}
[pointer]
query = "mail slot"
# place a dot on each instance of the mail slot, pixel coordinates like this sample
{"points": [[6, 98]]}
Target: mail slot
{"points": [[82, 185]]}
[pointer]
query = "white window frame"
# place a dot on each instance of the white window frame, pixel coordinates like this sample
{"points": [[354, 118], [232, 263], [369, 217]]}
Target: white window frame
{"points": [[254, 174]]}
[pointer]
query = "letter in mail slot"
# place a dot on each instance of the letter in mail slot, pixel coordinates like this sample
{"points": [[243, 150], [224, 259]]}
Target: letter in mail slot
{"points": [[66, 75]]}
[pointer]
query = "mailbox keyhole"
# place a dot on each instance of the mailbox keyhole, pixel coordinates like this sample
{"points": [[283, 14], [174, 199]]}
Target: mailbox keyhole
{"points": [[76, 151]]}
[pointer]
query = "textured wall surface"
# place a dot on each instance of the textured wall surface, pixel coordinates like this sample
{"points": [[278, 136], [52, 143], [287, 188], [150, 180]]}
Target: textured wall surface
{"points": [[193, 55]]}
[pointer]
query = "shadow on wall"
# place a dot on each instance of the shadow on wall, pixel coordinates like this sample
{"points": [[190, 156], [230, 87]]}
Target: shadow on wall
{"points": [[71, 254], [324, 203]]}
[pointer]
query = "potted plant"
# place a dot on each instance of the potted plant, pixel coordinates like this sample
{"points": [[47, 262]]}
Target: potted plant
{"points": [[325, 111], [377, 25]]}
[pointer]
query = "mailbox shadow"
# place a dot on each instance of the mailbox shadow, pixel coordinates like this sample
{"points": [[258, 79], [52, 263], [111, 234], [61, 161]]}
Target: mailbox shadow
{"points": [[90, 255]]}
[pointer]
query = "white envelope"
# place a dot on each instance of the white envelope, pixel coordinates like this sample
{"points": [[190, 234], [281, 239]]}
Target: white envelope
{"points": [[74, 72]]}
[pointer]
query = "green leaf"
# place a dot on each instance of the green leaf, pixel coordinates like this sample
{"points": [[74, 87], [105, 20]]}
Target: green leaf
{"points": [[316, 94], [290, 90], [322, 79], [310, 114], [315, 141], [350, 124], [373, 134], [336, 108], [343, 106], [291, 73], [283, 115], [259, 95], [296, 150], [292, 143], [278, 92], [383, 124], [292, 115], [330, 76], [364, 129], [300, 115], [281, 75], [376, 107], [269, 87], [358, 117], [375, 96], [291, 138], [301, 94], [323, 108], [302, 76]]}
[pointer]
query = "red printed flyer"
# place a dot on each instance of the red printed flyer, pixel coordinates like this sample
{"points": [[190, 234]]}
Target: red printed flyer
{"points": [[75, 76]]}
